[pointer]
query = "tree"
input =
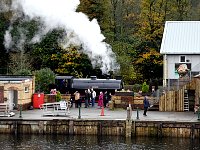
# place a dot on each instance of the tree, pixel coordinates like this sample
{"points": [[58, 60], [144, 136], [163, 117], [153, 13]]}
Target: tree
{"points": [[70, 61], [145, 87], [148, 36], [3, 53], [43, 51], [20, 64], [43, 78], [100, 10], [126, 68], [149, 64], [182, 10]]}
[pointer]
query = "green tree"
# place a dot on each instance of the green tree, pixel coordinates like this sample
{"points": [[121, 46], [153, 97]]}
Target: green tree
{"points": [[58, 96], [70, 61], [126, 68], [43, 78], [145, 87], [43, 51], [3, 53], [182, 9]]}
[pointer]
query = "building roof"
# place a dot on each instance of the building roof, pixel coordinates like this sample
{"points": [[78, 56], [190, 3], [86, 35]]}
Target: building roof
{"points": [[181, 37], [13, 79]]}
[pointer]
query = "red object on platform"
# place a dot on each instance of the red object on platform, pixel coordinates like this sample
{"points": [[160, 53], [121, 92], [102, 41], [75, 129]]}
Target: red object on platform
{"points": [[38, 99], [102, 111]]}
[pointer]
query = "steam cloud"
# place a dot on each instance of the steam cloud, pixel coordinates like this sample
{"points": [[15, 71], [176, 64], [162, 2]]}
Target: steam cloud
{"points": [[62, 14]]}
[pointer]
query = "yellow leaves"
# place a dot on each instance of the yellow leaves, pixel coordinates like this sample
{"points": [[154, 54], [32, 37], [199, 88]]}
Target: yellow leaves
{"points": [[53, 57], [152, 56], [69, 63], [66, 59], [151, 19]]}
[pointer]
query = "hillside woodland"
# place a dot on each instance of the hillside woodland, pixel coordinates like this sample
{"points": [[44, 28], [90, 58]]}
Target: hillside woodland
{"points": [[133, 29]]}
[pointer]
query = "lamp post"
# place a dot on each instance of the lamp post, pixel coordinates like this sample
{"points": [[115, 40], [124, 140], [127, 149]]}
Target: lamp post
{"points": [[137, 113], [79, 114], [20, 111]]}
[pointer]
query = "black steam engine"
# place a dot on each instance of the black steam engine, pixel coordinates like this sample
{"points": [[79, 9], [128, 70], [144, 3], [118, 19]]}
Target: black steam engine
{"points": [[69, 84]]}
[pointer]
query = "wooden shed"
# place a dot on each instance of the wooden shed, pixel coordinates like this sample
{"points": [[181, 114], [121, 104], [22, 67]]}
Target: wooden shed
{"points": [[183, 99], [17, 90]]}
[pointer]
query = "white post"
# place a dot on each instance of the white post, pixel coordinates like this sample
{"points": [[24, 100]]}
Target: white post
{"points": [[165, 70]]}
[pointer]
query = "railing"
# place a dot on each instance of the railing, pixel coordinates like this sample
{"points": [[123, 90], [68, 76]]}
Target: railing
{"points": [[56, 108], [5, 109]]}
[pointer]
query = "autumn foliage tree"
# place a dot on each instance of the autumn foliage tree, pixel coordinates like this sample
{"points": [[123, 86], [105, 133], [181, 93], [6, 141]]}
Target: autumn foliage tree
{"points": [[70, 61], [133, 28]]}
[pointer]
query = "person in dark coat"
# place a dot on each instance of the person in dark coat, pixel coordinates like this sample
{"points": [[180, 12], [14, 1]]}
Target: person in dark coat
{"points": [[87, 98], [105, 99], [146, 105]]}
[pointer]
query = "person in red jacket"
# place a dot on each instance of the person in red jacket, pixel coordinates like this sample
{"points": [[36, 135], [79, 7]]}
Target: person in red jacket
{"points": [[100, 101]]}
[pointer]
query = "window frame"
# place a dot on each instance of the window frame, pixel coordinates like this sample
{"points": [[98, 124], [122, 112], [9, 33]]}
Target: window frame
{"points": [[26, 89]]}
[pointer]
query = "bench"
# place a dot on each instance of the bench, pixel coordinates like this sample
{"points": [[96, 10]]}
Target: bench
{"points": [[5, 110], [56, 108]]}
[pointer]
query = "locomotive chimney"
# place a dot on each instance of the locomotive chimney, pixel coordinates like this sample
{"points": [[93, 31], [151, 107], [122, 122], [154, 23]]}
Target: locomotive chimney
{"points": [[93, 77]]}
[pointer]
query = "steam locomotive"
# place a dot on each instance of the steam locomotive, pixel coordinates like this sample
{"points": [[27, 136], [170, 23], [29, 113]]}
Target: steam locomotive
{"points": [[69, 84]]}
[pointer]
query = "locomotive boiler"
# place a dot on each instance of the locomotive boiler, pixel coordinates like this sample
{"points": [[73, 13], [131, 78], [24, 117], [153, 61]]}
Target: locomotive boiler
{"points": [[69, 84]]}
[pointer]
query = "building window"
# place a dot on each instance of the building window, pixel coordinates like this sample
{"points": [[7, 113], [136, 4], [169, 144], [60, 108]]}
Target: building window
{"points": [[26, 89], [182, 59]]}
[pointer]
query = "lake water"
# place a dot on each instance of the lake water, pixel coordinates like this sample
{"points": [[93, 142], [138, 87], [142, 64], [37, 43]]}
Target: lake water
{"points": [[66, 142]]}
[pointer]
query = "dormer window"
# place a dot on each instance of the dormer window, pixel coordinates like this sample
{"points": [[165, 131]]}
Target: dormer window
{"points": [[182, 59]]}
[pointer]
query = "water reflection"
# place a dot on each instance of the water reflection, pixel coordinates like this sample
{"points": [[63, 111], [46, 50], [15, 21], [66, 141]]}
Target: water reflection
{"points": [[65, 142]]}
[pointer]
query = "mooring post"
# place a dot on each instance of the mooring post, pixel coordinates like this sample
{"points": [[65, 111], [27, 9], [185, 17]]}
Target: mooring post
{"points": [[128, 128], [198, 113], [79, 114], [128, 113], [137, 113], [20, 111]]}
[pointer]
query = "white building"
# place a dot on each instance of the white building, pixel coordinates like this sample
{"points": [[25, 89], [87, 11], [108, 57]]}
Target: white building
{"points": [[180, 45]]}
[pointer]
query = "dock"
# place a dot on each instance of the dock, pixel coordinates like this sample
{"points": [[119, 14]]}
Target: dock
{"points": [[90, 121]]}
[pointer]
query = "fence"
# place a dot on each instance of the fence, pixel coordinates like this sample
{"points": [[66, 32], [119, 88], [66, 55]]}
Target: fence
{"points": [[171, 97]]}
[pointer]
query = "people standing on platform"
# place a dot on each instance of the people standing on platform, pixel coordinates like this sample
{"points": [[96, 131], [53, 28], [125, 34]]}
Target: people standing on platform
{"points": [[146, 105], [93, 97], [100, 100], [53, 91], [105, 98], [109, 97], [87, 97], [77, 99]]}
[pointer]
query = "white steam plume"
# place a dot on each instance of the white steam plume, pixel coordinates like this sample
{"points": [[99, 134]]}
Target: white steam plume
{"points": [[8, 39], [62, 13]]}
